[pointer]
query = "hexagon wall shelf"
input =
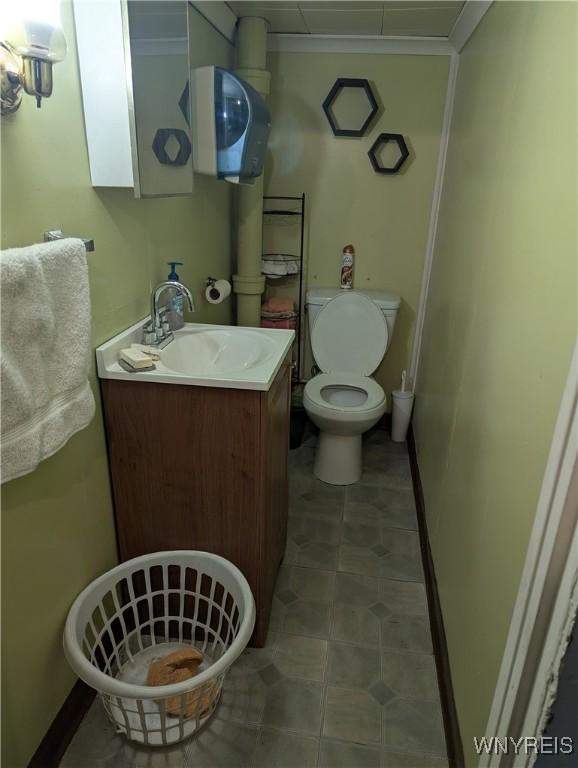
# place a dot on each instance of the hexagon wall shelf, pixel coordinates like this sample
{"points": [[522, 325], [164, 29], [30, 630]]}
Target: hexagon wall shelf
{"points": [[333, 95], [381, 141], [184, 103], [160, 143]]}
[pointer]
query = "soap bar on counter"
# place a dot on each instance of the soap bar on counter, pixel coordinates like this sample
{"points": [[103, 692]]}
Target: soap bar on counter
{"points": [[136, 359], [153, 352]]}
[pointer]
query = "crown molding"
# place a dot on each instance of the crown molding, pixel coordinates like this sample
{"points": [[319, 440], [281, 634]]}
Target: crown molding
{"points": [[472, 13], [426, 46]]}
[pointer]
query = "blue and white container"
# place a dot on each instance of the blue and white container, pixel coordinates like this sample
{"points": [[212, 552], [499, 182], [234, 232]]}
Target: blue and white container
{"points": [[230, 126]]}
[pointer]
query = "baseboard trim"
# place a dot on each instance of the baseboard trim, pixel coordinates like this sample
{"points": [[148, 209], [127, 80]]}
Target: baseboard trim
{"points": [[452, 730], [53, 746]]}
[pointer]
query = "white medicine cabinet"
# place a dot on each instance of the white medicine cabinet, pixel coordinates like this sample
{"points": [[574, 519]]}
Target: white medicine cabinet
{"points": [[135, 59]]}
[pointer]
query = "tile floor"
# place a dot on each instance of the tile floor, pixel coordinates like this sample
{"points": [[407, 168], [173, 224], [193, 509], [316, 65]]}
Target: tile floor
{"points": [[347, 678]]}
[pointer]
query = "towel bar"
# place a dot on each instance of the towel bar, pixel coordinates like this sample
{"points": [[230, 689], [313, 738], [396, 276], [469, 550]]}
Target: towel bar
{"points": [[58, 234]]}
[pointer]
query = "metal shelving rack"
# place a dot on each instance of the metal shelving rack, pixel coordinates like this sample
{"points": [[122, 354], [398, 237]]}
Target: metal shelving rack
{"points": [[269, 209]]}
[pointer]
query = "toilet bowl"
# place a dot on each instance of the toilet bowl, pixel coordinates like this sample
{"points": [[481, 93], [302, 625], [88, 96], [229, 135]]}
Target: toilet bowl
{"points": [[343, 406], [349, 337]]}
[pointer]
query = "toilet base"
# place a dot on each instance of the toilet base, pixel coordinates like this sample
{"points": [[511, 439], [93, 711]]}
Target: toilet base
{"points": [[338, 458]]}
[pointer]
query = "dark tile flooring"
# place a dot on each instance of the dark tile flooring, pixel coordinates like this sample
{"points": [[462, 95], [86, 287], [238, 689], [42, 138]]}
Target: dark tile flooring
{"points": [[347, 678]]}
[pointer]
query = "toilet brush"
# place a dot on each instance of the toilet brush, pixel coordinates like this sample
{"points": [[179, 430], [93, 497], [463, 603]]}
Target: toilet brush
{"points": [[401, 412]]}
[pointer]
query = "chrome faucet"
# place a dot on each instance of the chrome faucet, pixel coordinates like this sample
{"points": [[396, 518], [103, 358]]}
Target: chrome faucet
{"points": [[157, 331]]}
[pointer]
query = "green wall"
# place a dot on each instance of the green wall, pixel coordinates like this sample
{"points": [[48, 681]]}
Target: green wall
{"points": [[385, 217], [500, 325], [57, 526]]}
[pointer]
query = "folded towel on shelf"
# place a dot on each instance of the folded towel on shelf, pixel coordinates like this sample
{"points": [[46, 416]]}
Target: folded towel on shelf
{"points": [[279, 265], [286, 323], [280, 268], [277, 305], [45, 353], [278, 315]]}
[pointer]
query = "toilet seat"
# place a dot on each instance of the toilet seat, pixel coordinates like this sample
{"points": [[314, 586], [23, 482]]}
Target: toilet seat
{"points": [[375, 396], [349, 335]]}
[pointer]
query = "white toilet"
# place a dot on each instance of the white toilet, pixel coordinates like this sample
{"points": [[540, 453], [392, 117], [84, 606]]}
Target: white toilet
{"points": [[350, 333]]}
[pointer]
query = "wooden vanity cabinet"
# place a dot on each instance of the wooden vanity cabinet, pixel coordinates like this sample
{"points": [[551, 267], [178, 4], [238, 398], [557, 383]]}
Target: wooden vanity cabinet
{"points": [[202, 468]]}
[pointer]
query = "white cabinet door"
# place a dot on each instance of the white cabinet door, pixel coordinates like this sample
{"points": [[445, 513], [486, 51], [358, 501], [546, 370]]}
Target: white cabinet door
{"points": [[134, 67]]}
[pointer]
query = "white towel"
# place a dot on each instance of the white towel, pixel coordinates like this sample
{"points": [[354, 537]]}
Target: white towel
{"points": [[273, 268], [45, 353]]}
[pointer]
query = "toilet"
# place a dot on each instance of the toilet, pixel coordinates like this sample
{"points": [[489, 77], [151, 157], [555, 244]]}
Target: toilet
{"points": [[350, 333]]}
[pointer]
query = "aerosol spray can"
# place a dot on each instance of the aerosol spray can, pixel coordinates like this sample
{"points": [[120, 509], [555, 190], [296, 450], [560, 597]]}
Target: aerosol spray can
{"points": [[347, 267]]}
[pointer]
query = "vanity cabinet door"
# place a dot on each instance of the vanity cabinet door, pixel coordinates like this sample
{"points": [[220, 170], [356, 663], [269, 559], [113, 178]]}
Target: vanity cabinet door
{"points": [[274, 451], [184, 466]]}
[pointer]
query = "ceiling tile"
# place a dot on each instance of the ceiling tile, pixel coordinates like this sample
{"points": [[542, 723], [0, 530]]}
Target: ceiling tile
{"points": [[334, 22], [418, 18], [339, 5], [285, 21], [260, 8], [428, 22], [406, 5]]}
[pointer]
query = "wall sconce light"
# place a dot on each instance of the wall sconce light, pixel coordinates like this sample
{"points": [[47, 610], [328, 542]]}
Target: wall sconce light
{"points": [[31, 41]]}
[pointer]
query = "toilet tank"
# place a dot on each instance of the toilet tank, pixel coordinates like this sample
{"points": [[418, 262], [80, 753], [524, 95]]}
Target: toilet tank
{"points": [[317, 298]]}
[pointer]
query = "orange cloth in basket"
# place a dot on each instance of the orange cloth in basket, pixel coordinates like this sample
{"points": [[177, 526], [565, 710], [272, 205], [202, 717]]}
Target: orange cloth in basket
{"points": [[174, 668]]}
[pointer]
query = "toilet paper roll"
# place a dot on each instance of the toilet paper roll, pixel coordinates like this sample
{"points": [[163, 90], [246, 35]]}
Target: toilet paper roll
{"points": [[218, 292]]}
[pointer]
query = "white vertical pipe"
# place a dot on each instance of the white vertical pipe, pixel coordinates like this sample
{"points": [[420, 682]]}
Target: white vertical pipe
{"points": [[249, 283]]}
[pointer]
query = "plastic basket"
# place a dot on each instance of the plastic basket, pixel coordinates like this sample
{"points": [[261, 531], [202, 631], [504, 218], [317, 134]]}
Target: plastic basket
{"points": [[144, 609]]}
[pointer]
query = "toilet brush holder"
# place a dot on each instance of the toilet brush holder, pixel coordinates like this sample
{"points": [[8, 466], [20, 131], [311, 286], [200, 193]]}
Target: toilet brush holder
{"points": [[401, 414]]}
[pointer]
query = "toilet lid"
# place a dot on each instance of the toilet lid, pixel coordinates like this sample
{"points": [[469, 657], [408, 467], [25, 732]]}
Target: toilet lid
{"points": [[349, 335]]}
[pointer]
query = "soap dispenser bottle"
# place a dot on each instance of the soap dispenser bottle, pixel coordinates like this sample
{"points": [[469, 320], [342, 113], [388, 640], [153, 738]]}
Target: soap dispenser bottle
{"points": [[176, 314]]}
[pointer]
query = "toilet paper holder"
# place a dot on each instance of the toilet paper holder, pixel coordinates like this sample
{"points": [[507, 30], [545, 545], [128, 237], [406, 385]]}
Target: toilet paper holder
{"points": [[217, 291], [210, 283]]}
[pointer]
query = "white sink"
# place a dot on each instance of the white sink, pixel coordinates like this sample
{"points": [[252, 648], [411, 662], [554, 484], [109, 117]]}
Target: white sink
{"points": [[197, 353], [205, 355]]}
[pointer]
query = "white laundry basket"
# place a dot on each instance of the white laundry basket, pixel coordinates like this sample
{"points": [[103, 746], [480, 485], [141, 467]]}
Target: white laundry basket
{"points": [[144, 609]]}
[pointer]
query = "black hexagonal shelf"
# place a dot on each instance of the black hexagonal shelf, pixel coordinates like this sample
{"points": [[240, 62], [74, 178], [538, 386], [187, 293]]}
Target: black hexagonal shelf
{"points": [[385, 138], [184, 102], [160, 143], [338, 86]]}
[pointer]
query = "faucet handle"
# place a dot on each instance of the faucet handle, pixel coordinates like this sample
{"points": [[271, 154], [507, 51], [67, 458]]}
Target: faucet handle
{"points": [[164, 319], [149, 336]]}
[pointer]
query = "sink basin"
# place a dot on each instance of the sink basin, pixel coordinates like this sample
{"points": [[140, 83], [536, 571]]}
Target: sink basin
{"points": [[205, 355], [198, 353]]}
